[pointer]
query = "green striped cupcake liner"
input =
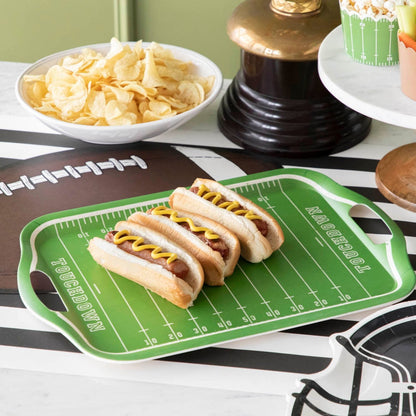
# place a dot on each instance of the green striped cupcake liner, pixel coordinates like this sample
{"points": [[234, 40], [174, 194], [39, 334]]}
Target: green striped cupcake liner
{"points": [[370, 41]]}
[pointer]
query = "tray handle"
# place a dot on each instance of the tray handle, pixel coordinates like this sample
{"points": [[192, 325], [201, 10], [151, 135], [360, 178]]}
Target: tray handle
{"points": [[33, 301], [347, 199], [384, 234], [392, 248]]}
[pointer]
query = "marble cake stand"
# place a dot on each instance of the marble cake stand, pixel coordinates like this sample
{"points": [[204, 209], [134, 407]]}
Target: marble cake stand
{"points": [[374, 92]]}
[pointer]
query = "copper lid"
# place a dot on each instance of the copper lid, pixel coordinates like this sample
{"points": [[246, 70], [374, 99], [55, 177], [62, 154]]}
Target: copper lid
{"points": [[283, 29]]}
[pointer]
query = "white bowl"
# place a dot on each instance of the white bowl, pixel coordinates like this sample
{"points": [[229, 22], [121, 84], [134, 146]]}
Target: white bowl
{"points": [[121, 134]]}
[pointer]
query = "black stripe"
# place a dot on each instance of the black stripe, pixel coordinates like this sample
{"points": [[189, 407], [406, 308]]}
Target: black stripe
{"points": [[412, 296], [325, 328], [61, 140], [408, 228], [6, 162], [51, 300], [258, 162], [377, 226], [38, 138], [35, 339], [11, 299], [258, 360], [373, 194], [331, 162], [323, 162], [373, 226], [412, 259]]}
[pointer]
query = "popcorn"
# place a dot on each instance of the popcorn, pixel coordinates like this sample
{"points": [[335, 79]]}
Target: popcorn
{"points": [[372, 8]]}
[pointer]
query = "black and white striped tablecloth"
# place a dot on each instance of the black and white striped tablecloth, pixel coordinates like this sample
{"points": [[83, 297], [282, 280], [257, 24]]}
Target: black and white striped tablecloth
{"points": [[268, 363]]}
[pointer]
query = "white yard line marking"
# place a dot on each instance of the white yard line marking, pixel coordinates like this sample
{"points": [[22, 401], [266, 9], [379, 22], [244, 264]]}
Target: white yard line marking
{"points": [[82, 232], [216, 312], [264, 301], [131, 211], [304, 248], [167, 323], [238, 303], [194, 320], [102, 221], [89, 286], [311, 290], [287, 296], [326, 243], [129, 307], [123, 297]]}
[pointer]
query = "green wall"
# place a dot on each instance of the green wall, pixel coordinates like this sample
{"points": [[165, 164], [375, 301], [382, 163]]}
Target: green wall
{"points": [[31, 29], [194, 24]]}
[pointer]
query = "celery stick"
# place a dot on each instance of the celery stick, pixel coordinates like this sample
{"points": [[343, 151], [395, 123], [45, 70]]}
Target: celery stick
{"points": [[406, 16], [400, 18]]}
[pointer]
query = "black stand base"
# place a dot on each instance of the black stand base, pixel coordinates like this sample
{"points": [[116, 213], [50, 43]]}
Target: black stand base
{"points": [[282, 108]]}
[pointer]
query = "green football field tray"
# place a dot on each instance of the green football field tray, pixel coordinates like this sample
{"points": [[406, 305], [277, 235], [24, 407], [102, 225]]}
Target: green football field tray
{"points": [[327, 267]]}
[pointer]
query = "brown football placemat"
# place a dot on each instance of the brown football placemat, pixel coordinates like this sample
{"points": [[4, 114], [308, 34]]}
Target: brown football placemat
{"points": [[79, 177]]}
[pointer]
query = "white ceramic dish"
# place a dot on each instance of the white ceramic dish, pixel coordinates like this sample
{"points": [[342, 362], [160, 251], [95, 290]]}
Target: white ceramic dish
{"points": [[121, 134]]}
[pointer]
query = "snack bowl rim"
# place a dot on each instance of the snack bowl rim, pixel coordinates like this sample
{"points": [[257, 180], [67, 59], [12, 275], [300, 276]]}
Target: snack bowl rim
{"points": [[126, 133]]}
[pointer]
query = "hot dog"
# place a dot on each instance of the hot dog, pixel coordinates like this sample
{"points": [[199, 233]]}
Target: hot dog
{"points": [[145, 256], [259, 233], [215, 247]]}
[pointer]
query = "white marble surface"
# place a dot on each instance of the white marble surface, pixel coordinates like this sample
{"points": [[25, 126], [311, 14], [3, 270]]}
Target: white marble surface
{"points": [[370, 90], [25, 392], [33, 393]]}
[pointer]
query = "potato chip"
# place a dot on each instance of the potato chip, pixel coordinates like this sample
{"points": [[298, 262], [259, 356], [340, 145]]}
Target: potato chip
{"points": [[173, 102], [126, 86], [36, 90], [69, 97], [138, 89], [152, 116], [190, 92], [151, 77], [159, 107], [119, 94], [96, 104], [85, 120]]}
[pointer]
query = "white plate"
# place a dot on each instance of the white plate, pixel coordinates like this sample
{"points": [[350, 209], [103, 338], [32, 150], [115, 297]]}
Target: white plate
{"points": [[371, 90]]}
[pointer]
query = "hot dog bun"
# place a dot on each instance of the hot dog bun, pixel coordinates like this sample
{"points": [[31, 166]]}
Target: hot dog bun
{"points": [[215, 267], [181, 292], [254, 246]]}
